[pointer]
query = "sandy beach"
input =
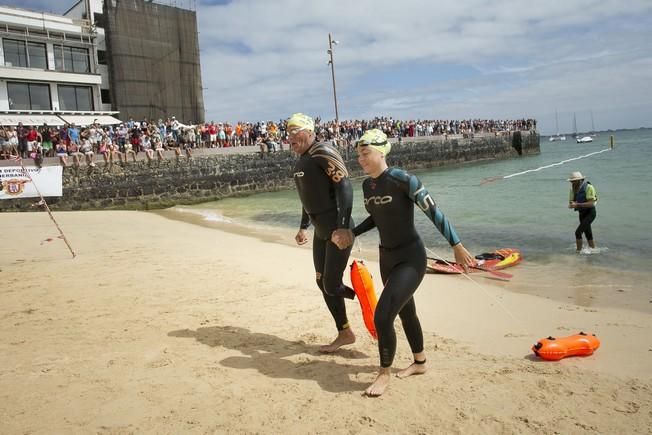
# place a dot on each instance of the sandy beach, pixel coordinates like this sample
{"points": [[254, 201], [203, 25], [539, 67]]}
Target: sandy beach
{"points": [[161, 326]]}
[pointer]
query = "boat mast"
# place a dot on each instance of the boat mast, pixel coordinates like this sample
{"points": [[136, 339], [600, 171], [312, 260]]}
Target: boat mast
{"points": [[574, 125]]}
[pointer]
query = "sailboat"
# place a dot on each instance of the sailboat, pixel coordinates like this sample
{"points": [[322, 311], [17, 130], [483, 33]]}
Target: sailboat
{"points": [[583, 139], [593, 133], [556, 137]]}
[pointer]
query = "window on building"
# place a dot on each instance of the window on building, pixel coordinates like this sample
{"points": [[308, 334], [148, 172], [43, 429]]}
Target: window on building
{"points": [[37, 55], [99, 19], [15, 53], [106, 96], [72, 59], [80, 62], [25, 54], [101, 57], [75, 98], [28, 96]]}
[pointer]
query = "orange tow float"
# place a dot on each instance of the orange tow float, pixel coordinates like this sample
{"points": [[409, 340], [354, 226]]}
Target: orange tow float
{"points": [[554, 349], [363, 286]]}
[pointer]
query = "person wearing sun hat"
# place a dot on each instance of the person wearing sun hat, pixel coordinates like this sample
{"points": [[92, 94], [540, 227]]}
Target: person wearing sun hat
{"points": [[582, 199], [389, 197], [326, 196]]}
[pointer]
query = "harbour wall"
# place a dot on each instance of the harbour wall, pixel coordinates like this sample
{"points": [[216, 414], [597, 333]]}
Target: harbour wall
{"points": [[212, 176]]}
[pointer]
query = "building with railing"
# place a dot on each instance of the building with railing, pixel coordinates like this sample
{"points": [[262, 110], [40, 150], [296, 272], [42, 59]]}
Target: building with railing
{"points": [[97, 60]]}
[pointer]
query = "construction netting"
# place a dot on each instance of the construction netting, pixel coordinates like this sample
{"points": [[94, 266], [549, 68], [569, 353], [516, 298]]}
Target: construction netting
{"points": [[153, 57]]}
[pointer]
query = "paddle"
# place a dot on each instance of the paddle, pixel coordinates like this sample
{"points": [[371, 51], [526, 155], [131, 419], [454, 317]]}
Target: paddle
{"points": [[497, 273]]}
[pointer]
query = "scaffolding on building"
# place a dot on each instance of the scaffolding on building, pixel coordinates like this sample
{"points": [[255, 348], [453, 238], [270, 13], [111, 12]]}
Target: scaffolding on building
{"points": [[153, 53], [190, 5]]}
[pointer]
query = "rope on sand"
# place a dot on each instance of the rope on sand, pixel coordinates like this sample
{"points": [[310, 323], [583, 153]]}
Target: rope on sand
{"points": [[500, 304]]}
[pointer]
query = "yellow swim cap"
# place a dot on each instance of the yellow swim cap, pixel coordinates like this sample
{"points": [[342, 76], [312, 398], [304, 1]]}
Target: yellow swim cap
{"points": [[301, 121], [376, 139]]}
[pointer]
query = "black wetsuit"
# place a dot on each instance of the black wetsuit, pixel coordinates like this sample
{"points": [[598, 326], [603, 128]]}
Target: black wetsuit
{"points": [[390, 200], [327, 198]]}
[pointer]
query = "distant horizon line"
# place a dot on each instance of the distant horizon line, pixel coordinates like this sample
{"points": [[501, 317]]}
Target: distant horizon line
{"points": [[610, 130]]}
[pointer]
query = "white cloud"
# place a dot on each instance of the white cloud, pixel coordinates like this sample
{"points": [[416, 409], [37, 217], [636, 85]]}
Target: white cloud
{"points": [[265, 59], [530, 57]]}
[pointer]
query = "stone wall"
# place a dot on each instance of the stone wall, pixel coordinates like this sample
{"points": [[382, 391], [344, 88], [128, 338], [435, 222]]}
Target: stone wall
{"points": [[211, 177]]}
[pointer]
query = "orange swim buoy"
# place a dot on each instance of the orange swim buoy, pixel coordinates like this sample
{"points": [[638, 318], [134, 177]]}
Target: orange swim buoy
{"points": [[554, 349], [363, 286]]}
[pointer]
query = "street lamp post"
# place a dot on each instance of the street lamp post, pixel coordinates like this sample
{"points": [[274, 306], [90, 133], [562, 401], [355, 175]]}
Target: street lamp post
{"points": [[332, 64]]}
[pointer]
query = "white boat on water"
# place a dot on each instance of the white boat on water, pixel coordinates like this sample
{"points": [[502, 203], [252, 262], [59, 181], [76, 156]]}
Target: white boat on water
{"points": [[556, 137], [580, 139]]}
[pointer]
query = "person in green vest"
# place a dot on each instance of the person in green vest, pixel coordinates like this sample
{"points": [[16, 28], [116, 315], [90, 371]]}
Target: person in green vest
{"points": [[582, 199]]}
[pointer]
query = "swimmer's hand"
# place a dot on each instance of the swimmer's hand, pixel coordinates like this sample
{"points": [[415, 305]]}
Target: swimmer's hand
{"points": [[342, 238], [302, 237], [463, 257]]}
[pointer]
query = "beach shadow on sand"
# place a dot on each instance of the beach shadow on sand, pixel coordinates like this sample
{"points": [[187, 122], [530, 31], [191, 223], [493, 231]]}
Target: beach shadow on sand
{"points": [[279, 358]]}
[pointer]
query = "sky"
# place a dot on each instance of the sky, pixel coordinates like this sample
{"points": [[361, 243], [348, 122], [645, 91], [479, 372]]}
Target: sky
{"points": [[415, 59]]}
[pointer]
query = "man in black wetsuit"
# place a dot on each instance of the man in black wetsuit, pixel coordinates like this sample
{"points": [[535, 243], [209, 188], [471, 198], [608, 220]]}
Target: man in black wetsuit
{"points": [[326, 198], [389, 196]]}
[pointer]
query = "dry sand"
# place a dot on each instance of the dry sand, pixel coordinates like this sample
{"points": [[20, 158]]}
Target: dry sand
{"points": [[160, 326]]}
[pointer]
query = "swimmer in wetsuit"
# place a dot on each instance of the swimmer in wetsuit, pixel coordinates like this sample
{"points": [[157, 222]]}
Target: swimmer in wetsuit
{"points": [[389, 197], [326, 198]]}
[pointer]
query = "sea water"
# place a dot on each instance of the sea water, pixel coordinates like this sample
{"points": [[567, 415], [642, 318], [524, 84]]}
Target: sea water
{"points": [[529, 212]]}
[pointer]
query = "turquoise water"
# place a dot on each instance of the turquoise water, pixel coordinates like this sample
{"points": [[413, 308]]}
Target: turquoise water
{"points": [[528, 212]]}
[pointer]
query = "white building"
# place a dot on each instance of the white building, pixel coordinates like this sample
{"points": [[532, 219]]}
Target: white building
{"points": [[53, 68]]}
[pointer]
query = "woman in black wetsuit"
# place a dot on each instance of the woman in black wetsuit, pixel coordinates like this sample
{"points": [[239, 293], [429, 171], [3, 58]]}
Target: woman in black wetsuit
{"points": [[389, 197]]}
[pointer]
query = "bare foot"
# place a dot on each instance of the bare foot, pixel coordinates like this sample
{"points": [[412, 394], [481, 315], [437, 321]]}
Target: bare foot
{"points": [[379, 385], [413, 369], [344, 337]]}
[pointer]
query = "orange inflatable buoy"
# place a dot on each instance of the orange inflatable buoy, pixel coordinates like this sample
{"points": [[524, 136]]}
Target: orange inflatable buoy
{"points": [[363, 286], [554, 349]]}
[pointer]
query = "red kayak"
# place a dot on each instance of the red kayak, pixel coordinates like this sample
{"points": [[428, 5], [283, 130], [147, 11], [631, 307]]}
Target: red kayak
{"points": [[499, 259]]}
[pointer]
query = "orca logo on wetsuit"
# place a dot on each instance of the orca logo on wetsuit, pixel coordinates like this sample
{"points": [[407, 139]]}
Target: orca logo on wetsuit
{"points": [[378, 200], [298, 174]]}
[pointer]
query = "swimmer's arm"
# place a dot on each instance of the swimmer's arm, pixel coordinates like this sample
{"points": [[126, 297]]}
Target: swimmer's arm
{"points": [[334, 167], [418, 193], [305, 220], [344, 200], [364, 226]]}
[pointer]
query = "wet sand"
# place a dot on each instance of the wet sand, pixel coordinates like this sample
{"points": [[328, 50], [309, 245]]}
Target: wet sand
{"points": [[568, 278]]}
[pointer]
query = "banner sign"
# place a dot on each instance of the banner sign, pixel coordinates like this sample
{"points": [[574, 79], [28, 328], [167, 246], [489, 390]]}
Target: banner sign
{"points": [[14, 182]]}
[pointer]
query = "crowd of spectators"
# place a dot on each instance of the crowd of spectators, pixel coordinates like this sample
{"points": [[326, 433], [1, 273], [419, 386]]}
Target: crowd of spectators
{"points": [[352, 130], [119, 143]]}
